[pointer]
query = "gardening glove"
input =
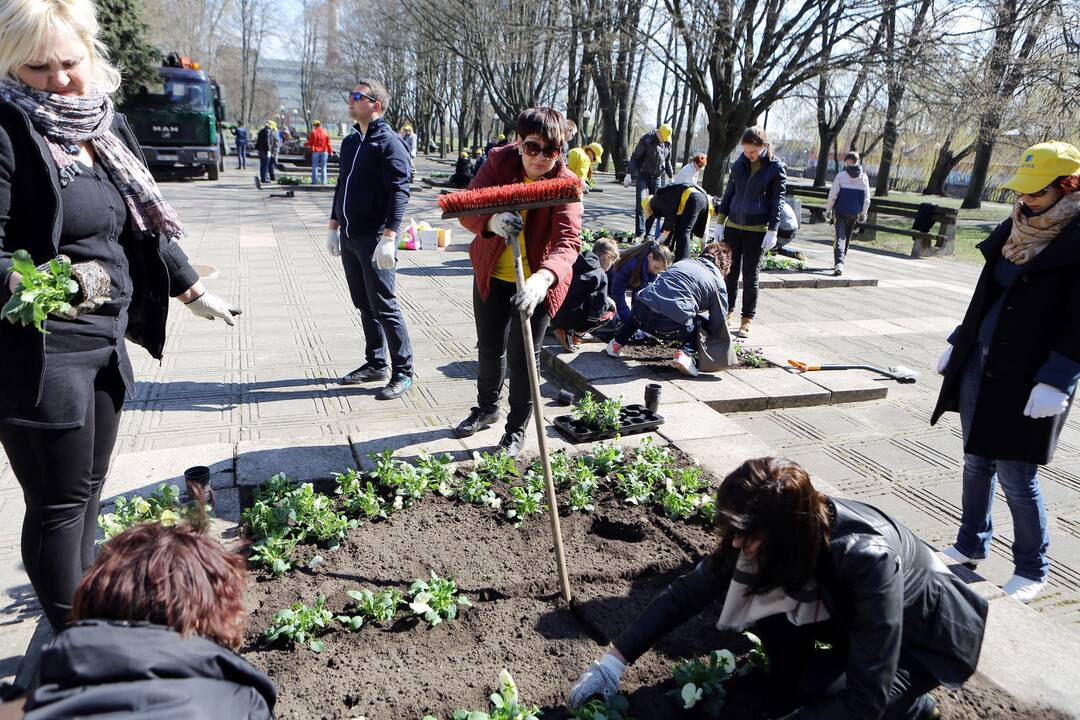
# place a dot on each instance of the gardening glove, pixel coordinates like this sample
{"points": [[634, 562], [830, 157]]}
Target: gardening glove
{"points": [[943, 361], [211, 307], [383, 257], [601, 678], [769, 241], [95, 287], [506, 224], [718, 233], [533, 292], [626, 180], [333, 243], [1046, 401]]}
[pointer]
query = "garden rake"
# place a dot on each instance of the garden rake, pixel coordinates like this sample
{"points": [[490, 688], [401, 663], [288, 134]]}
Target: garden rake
{"points": [[515, 198], [899, 373]]}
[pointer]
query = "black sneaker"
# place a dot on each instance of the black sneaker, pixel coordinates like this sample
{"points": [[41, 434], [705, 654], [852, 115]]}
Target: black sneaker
{"points": [[478, 420], [398, 386], [363, 374], [924, 708], [512, 443]]}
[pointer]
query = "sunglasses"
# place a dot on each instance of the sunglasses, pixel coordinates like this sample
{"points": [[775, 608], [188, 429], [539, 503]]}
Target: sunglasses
{"points": [[357, 96], [532, 149]]}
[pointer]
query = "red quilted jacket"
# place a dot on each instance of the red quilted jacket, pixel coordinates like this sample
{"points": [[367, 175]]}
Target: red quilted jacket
{"points": [[552, 234]]}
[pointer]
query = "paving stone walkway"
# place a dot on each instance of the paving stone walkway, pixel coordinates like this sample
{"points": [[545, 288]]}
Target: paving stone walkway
{"points": [[238, 398]]}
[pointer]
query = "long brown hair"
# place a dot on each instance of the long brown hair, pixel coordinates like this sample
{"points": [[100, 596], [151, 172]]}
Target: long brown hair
{"points": [[635, 255], [772, 500], [756, 135], [172, 576]]}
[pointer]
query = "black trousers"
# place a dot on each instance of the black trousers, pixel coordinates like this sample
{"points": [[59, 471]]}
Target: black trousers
{"points": [[374, 294], [810, 671], [61, 473], [500, 345], [684, 225], [845, 228], [745, 262]]}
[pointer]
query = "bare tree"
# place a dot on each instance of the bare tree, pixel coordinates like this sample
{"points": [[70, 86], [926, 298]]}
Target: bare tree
{"points": [[311, 44], [253, 19]]}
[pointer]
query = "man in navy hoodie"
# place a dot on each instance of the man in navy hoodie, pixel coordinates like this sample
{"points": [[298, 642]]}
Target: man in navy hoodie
{"points": [[369, 202], [847, 205]]}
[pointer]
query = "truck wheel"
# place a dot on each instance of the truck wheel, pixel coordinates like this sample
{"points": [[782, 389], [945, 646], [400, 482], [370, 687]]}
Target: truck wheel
{"points": [[212, 172]]}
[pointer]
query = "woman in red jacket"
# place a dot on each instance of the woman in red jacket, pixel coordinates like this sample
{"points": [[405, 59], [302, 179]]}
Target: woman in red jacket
{"points": [[549, 245]]}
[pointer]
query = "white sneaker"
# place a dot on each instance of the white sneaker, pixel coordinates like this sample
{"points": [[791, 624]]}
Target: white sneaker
{"points": [[838, 269], [958, 558], [684, 363], [613, 348], [1023, 589]]}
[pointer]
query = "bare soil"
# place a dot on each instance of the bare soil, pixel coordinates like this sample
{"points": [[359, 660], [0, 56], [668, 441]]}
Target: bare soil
{"points": [[619, 558]]}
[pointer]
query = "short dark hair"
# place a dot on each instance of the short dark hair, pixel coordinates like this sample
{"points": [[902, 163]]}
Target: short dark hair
{"points": [[772, 500], [546, 122], [852, 156], [173, 576], [376, 90]]}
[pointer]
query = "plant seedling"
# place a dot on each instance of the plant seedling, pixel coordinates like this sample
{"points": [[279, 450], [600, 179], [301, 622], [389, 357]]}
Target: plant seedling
{"points": [[525, 501], [505, 704], [301, 624], [604, 458], [561, 468], [617, 708], [404, 480], [477, 491], [370, 606], [598, 415], [274, 552], [585, 483], [163, 506], [750, 357], [495, 466], [701, 682], [40, 292], [439, 471], [358, 498], [707, 507], [436, 599]]}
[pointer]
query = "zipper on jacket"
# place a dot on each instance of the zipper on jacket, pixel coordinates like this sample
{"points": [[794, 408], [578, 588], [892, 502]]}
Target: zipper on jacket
{"points": [[345, 194]]}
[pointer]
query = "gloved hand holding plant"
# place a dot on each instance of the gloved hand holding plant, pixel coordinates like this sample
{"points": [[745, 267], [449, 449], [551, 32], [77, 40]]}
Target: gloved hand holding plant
{"points": [[56, 288]]}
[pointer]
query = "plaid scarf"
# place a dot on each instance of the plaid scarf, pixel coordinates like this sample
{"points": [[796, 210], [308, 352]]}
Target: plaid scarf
{"points": [[1032, 233], [65, 121]]}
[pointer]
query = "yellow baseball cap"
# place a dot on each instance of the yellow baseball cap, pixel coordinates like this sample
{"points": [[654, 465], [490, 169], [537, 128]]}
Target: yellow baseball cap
{"points": [[645, 204], [502, 136], [1042, 164], [664, 131], [597, 148]]}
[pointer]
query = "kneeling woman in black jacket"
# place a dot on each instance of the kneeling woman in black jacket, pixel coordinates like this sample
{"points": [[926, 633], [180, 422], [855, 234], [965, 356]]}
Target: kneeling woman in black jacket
{"points": [[154, 628], [807, 567]]}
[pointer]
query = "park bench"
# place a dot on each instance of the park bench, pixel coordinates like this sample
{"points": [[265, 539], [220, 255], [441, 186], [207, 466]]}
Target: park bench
{"points": [[925, 244]]}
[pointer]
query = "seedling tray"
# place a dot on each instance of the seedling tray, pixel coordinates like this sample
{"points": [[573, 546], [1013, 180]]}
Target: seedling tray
{"points": [[633, 420]]}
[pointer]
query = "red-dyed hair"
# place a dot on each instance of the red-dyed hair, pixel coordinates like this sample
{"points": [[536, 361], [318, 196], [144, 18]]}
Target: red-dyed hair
{"points": [[1067, 184], [173, 576]]}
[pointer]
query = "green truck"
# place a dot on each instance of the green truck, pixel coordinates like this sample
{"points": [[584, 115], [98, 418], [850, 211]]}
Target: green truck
{"points": [[178, 120]]}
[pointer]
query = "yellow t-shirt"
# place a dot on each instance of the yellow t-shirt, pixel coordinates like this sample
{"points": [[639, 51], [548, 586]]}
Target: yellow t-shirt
{"points": [[579, 163], [504, 268]]}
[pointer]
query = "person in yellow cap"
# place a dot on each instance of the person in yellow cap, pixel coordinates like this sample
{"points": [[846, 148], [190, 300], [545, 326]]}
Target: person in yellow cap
{"points": [[684, 211], [265, 141], [463, 172], [1011, 368], [650, 161], [582, 160], [409, 139]]}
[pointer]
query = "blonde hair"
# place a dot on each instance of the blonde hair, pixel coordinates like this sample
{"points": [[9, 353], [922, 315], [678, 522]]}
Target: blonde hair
{"points": [[24, 25]]}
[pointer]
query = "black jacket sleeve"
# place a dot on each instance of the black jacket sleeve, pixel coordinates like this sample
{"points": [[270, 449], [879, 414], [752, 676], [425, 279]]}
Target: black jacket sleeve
{"points": [[7, 172], [181, 275], [777, 190], [871, 569], [396, 170], [680, 601]]}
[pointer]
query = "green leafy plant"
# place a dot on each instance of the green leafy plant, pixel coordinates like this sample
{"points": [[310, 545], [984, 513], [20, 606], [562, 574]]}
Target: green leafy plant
{"points": [[439, 471], [585, 483], [647, 470], [561, 468], [275, 552], [289, 180], [505, 704], [757, 657], [477, 491], [436, 599], [359, 498], [700, 682], [405, 481], [526, 500], [750, 357], [707, 507], [301, 624], [371, 607], [163, 506], [772, 262], [40, 292], [604, 458], [680, 498], [603, 415], [617, 708], [495, 466]]}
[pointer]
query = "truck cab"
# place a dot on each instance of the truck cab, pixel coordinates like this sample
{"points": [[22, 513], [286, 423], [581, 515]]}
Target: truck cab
{"points": [[177, 120]]}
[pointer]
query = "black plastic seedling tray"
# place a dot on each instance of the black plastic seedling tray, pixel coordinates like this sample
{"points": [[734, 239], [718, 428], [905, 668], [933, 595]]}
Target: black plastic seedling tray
{"points": [[633, 420]]}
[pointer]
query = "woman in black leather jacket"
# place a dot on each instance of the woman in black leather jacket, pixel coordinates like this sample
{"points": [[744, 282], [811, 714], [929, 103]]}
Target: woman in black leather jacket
{"points": [[805, 566]]}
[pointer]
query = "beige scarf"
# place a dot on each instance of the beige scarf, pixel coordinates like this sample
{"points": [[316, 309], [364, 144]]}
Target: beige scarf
{"points": [[742, 607], [1031, 235]]}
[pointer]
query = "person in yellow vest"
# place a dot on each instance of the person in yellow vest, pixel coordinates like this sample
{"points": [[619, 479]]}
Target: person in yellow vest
{"points": [[684, 210], [582, 160]]}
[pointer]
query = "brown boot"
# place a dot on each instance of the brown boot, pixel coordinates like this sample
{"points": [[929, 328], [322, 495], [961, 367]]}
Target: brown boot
{"points": [[744, 328], [730, 317]]}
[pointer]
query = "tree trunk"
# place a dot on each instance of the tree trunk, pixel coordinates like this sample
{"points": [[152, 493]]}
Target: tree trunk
{"points": [[984, 150], [825, 141], [888, 143]]}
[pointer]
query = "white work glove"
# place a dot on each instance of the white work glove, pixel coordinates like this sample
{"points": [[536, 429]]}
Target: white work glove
{"points": [[1046, 401], [769, 241], [533, 293], [333, 243], [828, 215], [210, 306], [718, 233], [626, 180], [506, 224], [943, 361], [384, 253], [601, 678]]}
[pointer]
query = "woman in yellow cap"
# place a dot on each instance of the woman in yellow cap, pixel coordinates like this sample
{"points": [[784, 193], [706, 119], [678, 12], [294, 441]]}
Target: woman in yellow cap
{"points": [[463, 172], [1012, 366], [582, 160], [650, 161]]}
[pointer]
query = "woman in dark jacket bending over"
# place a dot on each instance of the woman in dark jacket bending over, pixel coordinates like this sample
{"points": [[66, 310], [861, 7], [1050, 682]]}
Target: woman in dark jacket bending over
{"points": [[805, 566], [73, 182], [156, 623], [1011, 368]]}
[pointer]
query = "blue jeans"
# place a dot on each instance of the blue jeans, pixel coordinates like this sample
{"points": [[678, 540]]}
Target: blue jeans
{"points": [[318, 168], [1020, 482], [643, 184], [266, 166], [241, 154]]}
